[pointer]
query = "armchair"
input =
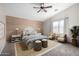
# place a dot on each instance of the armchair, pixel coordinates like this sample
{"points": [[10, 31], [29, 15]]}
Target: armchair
{"points": [[62, 38]]}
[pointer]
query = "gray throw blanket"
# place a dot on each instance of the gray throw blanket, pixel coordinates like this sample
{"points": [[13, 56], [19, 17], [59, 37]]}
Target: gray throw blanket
{"points": [[28, 40]]}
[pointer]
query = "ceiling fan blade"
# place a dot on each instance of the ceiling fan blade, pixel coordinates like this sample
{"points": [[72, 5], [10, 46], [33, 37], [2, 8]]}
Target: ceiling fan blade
{"points": [[38, 11], [45, 10], [36, 7], [48, 7]]}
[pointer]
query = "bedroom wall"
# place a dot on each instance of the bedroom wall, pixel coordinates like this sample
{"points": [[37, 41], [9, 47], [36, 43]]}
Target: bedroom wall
{"points": [[15, 22], [73, 19], [2, 20], [46, 27]]}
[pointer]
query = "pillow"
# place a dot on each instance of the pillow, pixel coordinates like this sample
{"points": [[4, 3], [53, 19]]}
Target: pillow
{"points": [[24, 33], [33, 32], [61, 35]]}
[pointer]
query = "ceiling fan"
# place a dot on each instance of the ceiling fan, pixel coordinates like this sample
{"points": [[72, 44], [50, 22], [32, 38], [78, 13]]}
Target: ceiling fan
{"points": [[42, 7]]}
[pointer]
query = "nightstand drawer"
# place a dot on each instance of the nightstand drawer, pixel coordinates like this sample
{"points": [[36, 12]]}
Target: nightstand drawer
{"points": [[15, 38]]}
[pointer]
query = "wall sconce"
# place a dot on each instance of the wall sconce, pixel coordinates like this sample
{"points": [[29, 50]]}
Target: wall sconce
{"points": [[38, 29]]}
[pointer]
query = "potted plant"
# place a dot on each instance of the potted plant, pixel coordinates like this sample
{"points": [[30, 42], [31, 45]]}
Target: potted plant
{"points": [[74, 33]]}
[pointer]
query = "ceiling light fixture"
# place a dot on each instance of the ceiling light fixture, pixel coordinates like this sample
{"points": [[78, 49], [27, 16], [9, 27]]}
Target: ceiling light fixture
{"points": [[42, 7]]}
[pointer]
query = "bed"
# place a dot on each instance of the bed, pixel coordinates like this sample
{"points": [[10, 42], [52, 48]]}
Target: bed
{"points": [[30, 35]]}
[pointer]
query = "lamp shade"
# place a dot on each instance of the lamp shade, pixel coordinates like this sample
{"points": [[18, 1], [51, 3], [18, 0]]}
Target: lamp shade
{"points": [[17, 31], [17, 28]]}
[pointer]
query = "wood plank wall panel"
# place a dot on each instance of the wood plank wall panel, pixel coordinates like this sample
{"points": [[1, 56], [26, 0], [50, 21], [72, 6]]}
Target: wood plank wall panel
{"points": [[14, 22]]}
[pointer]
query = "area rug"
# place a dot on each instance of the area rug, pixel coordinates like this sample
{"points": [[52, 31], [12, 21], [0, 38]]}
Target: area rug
{"points": [[63, 50], [21, 49]]}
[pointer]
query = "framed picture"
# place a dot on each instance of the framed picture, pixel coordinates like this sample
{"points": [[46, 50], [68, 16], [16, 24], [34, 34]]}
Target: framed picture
{"points": [[2, 30]]}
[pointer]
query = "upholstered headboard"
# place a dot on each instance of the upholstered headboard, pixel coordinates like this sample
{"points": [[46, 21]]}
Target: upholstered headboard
{"points": [[29, 30]]}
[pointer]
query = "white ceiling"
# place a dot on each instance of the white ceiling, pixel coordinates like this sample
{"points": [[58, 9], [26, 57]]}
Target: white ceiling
{"points": [[27, 11]]}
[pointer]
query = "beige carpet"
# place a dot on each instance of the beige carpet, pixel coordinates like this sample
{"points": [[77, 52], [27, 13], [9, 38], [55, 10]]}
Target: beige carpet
{"points": [[21, 49]]}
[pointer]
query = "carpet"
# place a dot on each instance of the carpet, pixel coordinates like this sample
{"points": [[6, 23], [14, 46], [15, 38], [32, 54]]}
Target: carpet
{"points": [[21, 49], [63, 50], [8, 50]]}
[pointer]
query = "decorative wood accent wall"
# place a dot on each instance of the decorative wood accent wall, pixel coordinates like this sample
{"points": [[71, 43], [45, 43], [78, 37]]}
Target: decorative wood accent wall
{"points": [[14, 22]]}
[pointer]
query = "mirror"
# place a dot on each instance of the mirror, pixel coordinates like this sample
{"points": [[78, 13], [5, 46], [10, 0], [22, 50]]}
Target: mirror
{"points": [[2, 30]]}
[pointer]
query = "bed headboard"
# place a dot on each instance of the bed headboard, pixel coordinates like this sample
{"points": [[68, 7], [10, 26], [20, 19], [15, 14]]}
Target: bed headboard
{"points": [[29, 30]]}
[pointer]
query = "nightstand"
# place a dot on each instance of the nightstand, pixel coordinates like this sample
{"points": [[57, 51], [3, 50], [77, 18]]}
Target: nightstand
{"points": [[15, 38]]}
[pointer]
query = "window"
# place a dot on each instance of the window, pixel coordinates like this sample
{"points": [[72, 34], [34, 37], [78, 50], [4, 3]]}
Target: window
{"points": [[55, 27], [61, 26], [58, 27]]}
